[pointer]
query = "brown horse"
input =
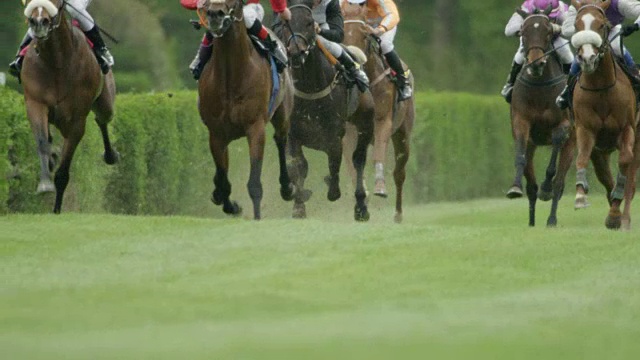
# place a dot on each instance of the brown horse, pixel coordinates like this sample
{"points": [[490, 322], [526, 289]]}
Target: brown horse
{"points": [[393, 120], [605, 115], [535, 119], [62, 83], [234, 95]]}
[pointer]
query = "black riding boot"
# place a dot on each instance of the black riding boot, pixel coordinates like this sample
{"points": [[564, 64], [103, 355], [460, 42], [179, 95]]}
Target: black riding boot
{"points": [[105, 59], [508, 87], [279, 54], [202, 56], [404, 87], [563, 100], [16, 65], [354, 71]]}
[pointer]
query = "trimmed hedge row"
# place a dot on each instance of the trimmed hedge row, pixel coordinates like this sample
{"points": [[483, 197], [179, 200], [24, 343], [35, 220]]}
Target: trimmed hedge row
{"points": [[462, 149]]}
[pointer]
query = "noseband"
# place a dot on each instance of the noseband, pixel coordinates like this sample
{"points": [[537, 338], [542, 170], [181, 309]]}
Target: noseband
{"points": [[604, 47]]}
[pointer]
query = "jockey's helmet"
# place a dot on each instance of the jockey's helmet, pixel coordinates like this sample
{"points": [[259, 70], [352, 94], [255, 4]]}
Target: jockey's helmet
{"points": [[356, 1], [543, 4]]}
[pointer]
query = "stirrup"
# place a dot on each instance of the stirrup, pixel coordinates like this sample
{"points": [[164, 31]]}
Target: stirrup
{"points": [[561, 101], [15, 67]]}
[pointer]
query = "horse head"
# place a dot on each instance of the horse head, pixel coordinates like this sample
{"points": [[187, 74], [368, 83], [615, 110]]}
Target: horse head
{"points": [[220, 15], [537, 36], [43, 16], [592, 33], [355, 16], [300, 32]]}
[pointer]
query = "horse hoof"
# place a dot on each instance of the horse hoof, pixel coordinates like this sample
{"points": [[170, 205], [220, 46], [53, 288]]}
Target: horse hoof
{"points": [[397, 218], [581, 202], [380, 189], [46, 186], [361, 215], [613, 222], [626, 225], [111, 158], [515, 193], [544, 195], [299, 211], [334, 193], [287, 192], [232, 208], [552, 222]]}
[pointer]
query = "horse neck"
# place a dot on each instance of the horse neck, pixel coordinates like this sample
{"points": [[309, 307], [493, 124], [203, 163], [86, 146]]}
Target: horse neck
{"points": [[604, 75], [316, 73], [56, 50], [232, 53]]}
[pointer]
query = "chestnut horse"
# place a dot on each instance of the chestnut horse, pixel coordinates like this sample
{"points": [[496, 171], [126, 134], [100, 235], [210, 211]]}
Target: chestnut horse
{"points": [[234, 96], [62, 83], [323, 105], [605, 115], [535, 119], [393, 120]]}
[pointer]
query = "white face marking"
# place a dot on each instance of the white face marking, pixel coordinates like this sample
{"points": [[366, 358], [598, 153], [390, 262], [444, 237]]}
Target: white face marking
{"points": [[536, 25], [588, 20]]}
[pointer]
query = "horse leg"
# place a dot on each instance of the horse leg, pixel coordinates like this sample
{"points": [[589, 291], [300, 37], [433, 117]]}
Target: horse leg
{"points": [[600, 161], [630, 189], [532, 185], [348, 147], [281, 126], [622, 188], [222, 189], [103, 108], [39, 119], [298, 168], [566, 158], [334, 155], [62, 174], [558, 138], [401, 149], [256, 138], [382, 133], [586, 141], [521, 136]]}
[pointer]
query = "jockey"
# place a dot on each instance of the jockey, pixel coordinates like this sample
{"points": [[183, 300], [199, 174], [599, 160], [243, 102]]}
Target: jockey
{"points": [[78, 11], [617, 12], [383, 17], [558, 17], [330, 30], [253, 13]]}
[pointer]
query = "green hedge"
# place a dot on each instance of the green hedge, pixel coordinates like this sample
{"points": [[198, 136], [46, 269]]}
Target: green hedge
{"points": [[462, 149]]}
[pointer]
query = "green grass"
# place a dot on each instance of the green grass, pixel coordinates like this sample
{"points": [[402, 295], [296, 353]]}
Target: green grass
{"points": [[462, 281]]}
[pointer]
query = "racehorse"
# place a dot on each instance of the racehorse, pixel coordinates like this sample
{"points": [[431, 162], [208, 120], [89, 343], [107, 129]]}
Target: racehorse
{"points": [[536, 120], [235, 92], [393, 120], [62, 83], [605, 115], [323, 104]]}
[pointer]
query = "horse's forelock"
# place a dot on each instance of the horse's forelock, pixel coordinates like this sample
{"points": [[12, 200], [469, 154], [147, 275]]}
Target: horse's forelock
{"points": [[47, 5]]}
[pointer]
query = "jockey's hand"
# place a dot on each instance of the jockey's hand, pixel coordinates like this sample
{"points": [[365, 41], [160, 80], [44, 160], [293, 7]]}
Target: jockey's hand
{"points": [[317, 28], [285, 14], [376, 31], [557, 29], [629, 29]]}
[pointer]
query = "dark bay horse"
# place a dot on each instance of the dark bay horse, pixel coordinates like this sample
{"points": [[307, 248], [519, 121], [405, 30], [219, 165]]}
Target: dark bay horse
{"points": [[393, 120], [535, 119], [234, 96], [605, 115], [323, 104], [62, 83]]}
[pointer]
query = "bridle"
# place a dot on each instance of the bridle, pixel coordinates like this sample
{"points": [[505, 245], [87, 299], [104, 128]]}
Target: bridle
{"points": [[309, 43], [55, 21], [604, 47], [227, 19]]}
